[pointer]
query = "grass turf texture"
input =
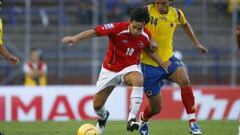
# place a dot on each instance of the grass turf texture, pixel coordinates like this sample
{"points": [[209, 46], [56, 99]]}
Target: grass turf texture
{"points": [[164, 127]]}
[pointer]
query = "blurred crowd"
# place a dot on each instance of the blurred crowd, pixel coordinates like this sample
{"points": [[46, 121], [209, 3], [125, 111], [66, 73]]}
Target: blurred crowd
{"points": [[116, 9]]}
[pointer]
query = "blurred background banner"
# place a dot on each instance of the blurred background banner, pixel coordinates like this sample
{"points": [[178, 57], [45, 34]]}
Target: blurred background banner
{"points": [[63, 103], [57, 103], [31, 24]]}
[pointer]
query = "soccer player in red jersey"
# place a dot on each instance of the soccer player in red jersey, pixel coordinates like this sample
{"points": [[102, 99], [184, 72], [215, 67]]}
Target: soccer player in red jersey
{"points": [[3, 51], [126, 42]]}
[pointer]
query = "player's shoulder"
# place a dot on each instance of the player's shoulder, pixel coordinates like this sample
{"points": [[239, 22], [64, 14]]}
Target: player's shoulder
{"points": [[150, 6], [122, 24], [146, 33], [116, 26], [178, 12]]}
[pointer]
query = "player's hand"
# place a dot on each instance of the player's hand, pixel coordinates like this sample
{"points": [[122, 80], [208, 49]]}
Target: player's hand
{"points": [[13, 59], [165, 65], [70, 41], [202, 48]]}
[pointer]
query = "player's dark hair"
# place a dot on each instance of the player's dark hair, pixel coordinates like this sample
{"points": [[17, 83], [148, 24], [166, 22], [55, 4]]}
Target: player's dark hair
{"points": [[140, 15], [171, 2]]}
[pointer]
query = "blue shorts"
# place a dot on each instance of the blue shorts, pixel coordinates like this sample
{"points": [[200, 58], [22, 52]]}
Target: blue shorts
{"points": [[153, 76]]}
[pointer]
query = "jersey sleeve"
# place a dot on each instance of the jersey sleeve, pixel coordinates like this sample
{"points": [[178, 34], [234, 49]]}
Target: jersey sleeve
{"points": [[181, 17], [148, 34], [1, 32], [106, 29], [26, 68]]}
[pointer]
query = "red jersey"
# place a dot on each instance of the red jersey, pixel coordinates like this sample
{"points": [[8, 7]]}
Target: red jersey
{"points": [[124, 48]]}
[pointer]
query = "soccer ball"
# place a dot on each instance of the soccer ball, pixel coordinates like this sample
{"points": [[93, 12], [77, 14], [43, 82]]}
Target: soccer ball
{"points": [[87, 129]]}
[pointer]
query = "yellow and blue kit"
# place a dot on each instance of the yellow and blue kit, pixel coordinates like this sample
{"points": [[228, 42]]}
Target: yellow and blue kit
{"points": [[162, 28]]}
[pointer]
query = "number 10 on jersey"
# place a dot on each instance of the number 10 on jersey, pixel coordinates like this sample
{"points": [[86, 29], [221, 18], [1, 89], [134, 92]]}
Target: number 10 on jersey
{"points": [[130, 51]]}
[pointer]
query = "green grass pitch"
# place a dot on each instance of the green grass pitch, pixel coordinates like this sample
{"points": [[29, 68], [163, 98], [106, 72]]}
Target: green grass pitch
{"points": [[163, 127]]}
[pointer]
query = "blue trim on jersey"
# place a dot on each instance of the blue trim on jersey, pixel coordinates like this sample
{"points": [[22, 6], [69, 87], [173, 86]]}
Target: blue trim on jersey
{"points": [[153, 76]]}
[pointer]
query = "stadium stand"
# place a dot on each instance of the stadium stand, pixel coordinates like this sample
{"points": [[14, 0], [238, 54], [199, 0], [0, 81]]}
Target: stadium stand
{"points": [[214, 32]]}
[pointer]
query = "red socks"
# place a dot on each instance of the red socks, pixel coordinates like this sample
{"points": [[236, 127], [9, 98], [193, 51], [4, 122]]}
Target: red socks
{"points": [[188, 99], [146, 114], [188, 102]]}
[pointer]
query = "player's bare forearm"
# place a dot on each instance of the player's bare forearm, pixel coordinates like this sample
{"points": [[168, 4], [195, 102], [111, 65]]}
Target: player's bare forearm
{"points": [[4, 52], [158, 60], [153, 46], [7, 55], [85, 35], [71, 40], [188, 29], [153, 56]]}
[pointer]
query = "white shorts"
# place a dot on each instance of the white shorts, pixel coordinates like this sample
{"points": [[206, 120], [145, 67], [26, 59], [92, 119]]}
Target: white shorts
{"points": [[109, 78]]}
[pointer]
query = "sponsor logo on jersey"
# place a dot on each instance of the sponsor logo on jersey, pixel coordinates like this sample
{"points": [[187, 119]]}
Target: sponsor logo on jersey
{"points": [[108, 26], [125, 41]]}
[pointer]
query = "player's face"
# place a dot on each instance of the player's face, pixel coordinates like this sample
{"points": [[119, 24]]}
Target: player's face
{"points": [[162, 6], [136, 27], [34, 56]]}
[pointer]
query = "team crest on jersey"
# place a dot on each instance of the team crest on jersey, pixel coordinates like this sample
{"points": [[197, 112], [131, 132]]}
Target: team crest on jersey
{"points": [[108, 26], [163, 18], [125, 41], [140, 44]]}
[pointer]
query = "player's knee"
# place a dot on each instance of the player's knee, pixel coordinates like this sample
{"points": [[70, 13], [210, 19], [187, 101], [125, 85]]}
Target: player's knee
{"points": [[136, 82], [184, 82]]}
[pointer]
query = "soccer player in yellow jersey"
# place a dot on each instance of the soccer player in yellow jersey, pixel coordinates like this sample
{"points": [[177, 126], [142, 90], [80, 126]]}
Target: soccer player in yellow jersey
{"points": [[3, 51], [164, 19]]}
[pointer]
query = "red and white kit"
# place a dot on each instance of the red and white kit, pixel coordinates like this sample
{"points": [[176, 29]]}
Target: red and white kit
{"points": [[123, 53]]}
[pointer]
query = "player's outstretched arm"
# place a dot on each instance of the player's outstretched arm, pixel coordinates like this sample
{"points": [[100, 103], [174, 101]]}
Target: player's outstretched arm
{"points": [[188, 29], [7, 55], [71, 40]]}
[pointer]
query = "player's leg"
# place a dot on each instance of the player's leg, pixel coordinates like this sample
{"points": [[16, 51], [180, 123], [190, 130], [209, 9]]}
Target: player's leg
{"points": [[155, 105], [134, 79], [104, 87], [152, 85], [99, 101], [180, 76]]}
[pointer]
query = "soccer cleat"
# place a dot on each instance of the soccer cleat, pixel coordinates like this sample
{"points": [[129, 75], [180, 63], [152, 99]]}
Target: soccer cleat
{"points": [[132, 125], [101, 124], [194, 128], [143, 126]]}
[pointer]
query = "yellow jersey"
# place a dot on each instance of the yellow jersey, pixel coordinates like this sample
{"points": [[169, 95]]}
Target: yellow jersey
{"points": [[233, 4], [1, 32], [162, 28], [39, 80]]}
